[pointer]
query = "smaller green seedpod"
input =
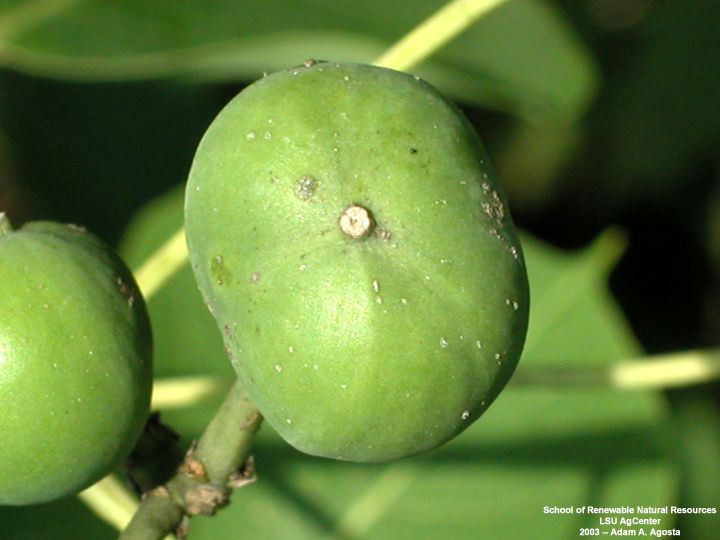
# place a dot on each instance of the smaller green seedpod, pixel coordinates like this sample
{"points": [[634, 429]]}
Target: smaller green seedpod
{"points": [[75, 361], [355, 247]]}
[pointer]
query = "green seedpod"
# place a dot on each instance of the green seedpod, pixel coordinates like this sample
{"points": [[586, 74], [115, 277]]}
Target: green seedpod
{"points": [[355, 247], [75, 361]]}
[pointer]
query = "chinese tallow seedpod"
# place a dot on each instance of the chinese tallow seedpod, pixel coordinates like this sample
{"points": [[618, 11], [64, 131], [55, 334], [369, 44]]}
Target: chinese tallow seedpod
{"points": [[75, 361], [355, 247]]}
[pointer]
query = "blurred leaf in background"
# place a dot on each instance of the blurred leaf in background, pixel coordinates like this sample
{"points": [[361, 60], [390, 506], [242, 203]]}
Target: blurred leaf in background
{"points": [[542, 71]]}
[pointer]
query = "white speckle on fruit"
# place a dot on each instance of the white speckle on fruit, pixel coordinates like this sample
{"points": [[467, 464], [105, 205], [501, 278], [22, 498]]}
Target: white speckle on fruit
{"points": [[465, 415], [344, 386], [291, 349], [278, 368], [302, 267], [376, 285], [378, 299], [288, 421], [444, 343], [478, 344], [355, 221], [309, 62], [255, 277], [268, 135], [251, 136], [346, 78], [497, 356], [404, 300], [270, 120]]}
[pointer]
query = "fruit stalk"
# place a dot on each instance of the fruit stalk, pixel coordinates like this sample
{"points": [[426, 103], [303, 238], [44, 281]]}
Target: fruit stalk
{"points": [[218, 463], [655, 372], [434, 33]]}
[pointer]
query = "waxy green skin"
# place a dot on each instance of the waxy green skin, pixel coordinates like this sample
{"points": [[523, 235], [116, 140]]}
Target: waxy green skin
{"points": [[75, 362], [359, 349]]}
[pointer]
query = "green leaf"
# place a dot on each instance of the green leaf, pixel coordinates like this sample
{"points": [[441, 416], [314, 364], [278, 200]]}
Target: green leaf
{"points": [[535, 447], [696, 415], [571, 304], [66, 519], [521, 57]]}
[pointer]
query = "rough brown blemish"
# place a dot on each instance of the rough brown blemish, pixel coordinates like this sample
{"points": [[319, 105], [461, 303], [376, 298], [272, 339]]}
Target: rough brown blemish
{"points": [[125, 291], [244, 476], [305, 187], [495, 208], [76, 228], [204, 499]]}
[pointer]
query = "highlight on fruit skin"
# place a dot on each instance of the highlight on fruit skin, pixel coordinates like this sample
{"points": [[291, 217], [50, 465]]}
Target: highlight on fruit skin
{"points": [[355, 247], [75, 361]]}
